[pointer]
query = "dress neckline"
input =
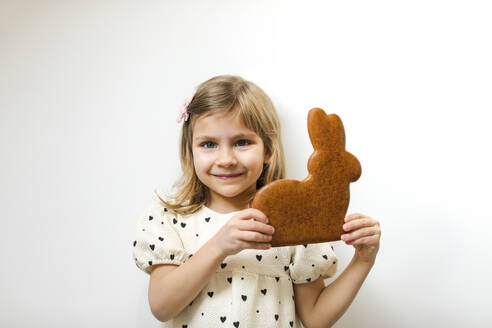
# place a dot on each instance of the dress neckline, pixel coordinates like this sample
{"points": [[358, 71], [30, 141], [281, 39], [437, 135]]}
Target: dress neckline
{"points": [[217, 213]]}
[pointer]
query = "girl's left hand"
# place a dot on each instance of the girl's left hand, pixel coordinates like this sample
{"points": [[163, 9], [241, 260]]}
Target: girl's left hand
{"points": [[363, 232]]}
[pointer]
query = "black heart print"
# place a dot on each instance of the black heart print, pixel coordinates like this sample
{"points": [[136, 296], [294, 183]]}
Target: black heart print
{"points": [[207, 219], [223, 265], [175, 221], [150, 218], [258, 257], [236, 324], [229, 279], [263, 291], [223, 319], [183, 224], [161, 239], [276, 317], [210, 294], [244, 297], [152, 246]]}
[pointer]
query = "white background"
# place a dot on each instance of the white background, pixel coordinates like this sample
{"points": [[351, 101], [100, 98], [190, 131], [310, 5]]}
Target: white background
{"points": [[89, 93]]}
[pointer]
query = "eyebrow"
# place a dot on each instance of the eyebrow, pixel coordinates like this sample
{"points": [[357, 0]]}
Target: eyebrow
{"points": [[240, 135]]}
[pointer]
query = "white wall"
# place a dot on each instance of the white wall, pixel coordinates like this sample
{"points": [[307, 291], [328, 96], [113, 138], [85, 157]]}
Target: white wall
{"points": [[89, 92]]}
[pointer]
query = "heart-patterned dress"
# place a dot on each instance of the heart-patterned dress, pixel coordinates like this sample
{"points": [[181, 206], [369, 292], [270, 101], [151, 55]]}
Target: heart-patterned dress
{"points": [[253, 288]]}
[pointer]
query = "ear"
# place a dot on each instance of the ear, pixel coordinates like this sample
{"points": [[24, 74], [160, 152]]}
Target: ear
{"points": [[325, 131]]}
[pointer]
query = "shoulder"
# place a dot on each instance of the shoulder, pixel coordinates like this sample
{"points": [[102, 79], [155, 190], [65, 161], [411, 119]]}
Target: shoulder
{"points": [[309, 262], [157, 205], [158, 202], [156, 211], [325, 248]]}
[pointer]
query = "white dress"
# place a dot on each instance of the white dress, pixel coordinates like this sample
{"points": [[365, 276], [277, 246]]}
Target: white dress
{"points": [[252, 288]]}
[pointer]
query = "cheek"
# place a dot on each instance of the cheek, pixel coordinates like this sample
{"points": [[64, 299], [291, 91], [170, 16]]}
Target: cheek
{"points": [[199, 163], [197, 159], [202, 161], [254, 161]]}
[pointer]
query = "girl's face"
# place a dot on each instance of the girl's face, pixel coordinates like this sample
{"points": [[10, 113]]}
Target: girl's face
{"points": [[223, 146]]}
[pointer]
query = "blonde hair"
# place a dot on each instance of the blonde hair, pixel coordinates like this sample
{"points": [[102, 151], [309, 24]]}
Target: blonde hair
{"points": [[221, 95]]}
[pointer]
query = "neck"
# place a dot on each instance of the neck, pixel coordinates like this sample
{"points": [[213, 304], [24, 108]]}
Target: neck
{"points": [[227, 205]]}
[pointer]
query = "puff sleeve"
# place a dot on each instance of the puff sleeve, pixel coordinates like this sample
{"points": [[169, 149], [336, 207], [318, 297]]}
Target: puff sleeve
{"points": [[157, 242], [311, 261]]}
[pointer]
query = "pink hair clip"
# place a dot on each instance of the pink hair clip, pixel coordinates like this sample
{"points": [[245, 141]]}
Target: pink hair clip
{"points": [[183, 112]]}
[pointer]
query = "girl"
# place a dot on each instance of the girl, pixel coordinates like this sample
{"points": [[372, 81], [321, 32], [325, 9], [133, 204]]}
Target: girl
{"points": [[208, 253]]}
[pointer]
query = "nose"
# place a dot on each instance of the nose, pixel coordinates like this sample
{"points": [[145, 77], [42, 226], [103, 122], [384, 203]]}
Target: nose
{"points": [[226, 157]]}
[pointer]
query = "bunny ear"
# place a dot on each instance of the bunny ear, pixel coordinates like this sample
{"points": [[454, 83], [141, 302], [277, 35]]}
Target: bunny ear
{"points": [[325, 131]]}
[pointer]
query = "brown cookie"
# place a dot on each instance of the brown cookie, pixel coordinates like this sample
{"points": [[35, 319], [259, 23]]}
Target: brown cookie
{"points": [[313, 210]]}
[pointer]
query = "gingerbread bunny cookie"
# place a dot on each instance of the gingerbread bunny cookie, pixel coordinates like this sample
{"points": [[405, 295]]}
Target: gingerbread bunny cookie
{"points": [[313, 210]]}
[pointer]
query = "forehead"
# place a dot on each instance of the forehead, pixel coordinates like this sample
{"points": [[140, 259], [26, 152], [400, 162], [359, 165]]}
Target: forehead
{"points": [[220, 126]]}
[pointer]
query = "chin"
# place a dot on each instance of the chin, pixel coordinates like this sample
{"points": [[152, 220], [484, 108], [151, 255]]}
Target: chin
{"points": [[230, 193]]}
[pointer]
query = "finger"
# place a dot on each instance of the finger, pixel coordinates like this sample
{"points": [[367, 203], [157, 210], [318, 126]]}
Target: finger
{"points": [[253, 213], [353, 216], [354, 224], [360, 233], [254, 236], [253, 245], [256, 226], [366, 241]]}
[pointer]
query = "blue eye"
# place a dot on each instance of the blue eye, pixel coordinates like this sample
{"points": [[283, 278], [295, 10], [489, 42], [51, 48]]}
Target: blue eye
{"points": [[244, 142], [248, 142], [205, 143]]}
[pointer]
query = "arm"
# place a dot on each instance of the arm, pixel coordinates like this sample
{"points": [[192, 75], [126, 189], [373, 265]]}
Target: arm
{"points": [[172, 287], [320, 306]]}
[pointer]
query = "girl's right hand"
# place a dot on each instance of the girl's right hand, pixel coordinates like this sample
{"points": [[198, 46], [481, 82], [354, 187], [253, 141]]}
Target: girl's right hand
{"points": [[240, 232]]}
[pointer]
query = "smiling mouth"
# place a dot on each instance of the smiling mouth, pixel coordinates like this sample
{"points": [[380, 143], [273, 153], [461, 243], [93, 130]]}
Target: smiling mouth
{"points": [[228, 177]]}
